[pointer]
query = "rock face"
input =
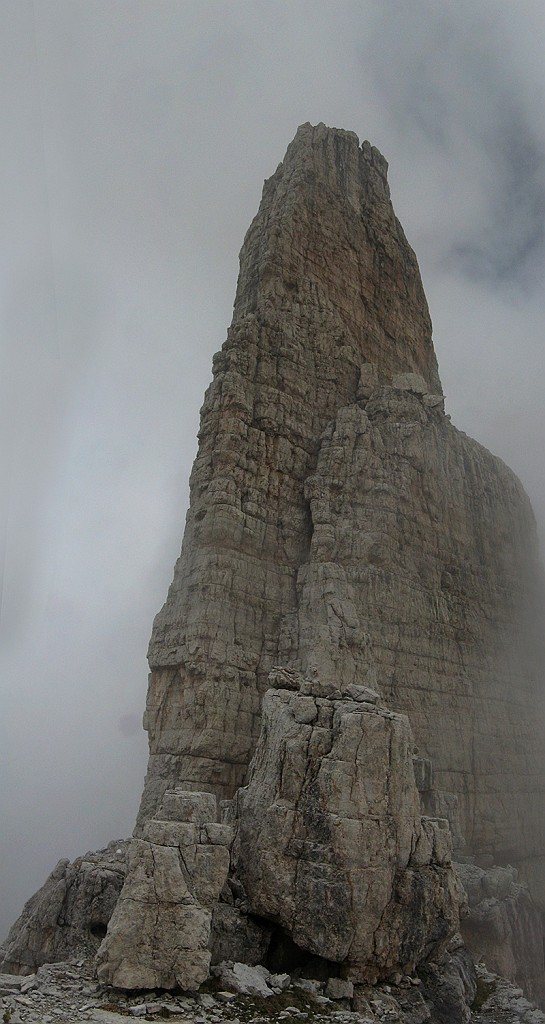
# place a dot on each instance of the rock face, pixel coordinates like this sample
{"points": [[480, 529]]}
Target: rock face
{"points": [[421, 576], [327, 283], [329, 845], [69, 914], [341, 526], [159, 933], [343, 540], [504, 927], [330, 842]]}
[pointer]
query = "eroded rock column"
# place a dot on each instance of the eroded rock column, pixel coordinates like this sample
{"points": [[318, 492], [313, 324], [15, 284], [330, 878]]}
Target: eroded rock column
{"points": [[327, 283]]}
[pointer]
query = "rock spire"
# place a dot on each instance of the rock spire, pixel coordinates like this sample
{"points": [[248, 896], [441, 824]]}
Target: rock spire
{"points": [[347, 677], [329, 303], [339, 525]]}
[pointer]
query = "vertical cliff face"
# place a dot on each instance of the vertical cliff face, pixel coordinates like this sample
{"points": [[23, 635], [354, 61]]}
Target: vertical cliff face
{"points": [[423, 581], [327, 283], [339, 525]]}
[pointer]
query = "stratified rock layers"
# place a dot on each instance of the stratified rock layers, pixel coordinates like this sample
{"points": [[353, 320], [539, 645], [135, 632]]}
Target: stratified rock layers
{"points": [[340, 526], [327, 282]]}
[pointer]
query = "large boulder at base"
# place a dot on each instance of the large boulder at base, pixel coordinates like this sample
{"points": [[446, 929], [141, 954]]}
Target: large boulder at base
{"points": [[330, 842]]}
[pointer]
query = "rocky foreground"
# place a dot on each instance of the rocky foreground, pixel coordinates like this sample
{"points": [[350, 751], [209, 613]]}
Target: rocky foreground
{"points": [[68, 992]]}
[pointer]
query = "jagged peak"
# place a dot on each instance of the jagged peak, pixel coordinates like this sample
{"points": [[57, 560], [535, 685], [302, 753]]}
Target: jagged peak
{"points": [[334, 158], [326, 236]]}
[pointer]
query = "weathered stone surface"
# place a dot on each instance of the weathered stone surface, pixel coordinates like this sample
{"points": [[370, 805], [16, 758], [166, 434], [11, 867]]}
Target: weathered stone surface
{"points": [[179, 805], [339, 988], [504, 926], [340, 525], [248, 981], [69, 913], [328, 284], [159, 933], [330, 843], [450, 984], [407, 583], [68, 993], [410, 382], [237, 936], [344, 540]]}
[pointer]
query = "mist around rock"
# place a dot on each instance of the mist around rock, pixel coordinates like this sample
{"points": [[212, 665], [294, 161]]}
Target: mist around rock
{"points": [[345, 704], [125, 204]]}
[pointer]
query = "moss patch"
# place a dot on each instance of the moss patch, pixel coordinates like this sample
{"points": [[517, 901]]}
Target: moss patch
{"points": [[247, 1008]]}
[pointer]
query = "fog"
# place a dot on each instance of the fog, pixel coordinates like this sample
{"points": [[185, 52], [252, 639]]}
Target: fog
{"points": [[136, 136]]}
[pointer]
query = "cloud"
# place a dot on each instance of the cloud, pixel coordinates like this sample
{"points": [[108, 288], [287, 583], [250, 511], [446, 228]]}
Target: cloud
{"points": [[454, 91]]}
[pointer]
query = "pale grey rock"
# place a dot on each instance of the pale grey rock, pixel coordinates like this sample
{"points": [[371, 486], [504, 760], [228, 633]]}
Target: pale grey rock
{"points": [[360, 693], [10, 982], [368, 381], [413, 1008], [313, 309], [316, 687], [423, 774], [285, 679], [410, 382], [248, 981], [331, 844], [180, 805], [217, 834], [311, 985], [350, 534], [434, 842], [339, 988], [304, 709], [159, 933], [280, 981], [434, 401], [343, 536], [69, 913], [226, 997], [171, 833], [362, 595], [449, 984], [67, 993], [227, 812]]}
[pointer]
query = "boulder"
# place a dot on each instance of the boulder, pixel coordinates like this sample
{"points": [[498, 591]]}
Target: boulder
{"points": [[246, 980], [330, 843]]}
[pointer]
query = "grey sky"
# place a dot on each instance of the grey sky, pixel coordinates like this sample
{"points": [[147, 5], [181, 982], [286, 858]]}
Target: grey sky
{"points": [[136, 137]]}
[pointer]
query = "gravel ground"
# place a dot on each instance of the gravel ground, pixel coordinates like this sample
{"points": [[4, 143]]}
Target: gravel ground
{"points": [[67, 993]]}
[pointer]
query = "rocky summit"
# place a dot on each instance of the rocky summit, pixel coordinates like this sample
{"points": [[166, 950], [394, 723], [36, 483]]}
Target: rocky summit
{"points": [[343, 815]]}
